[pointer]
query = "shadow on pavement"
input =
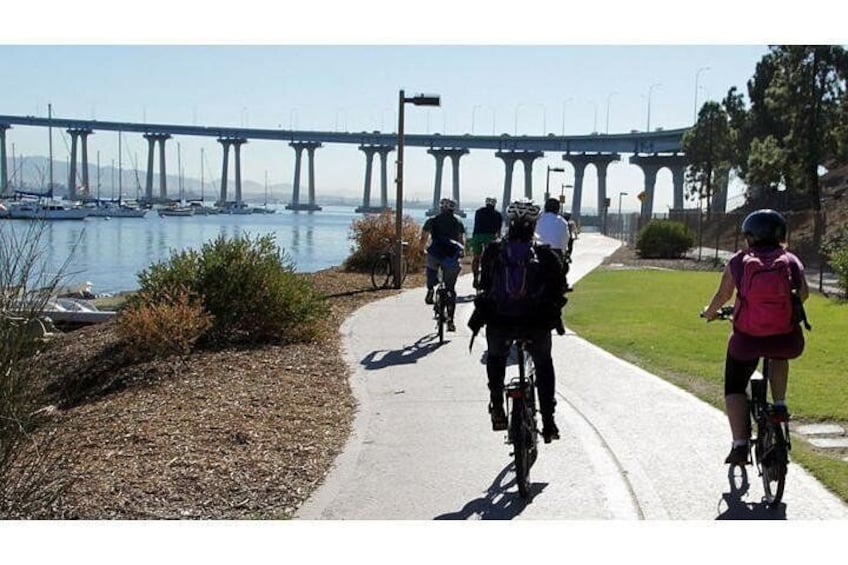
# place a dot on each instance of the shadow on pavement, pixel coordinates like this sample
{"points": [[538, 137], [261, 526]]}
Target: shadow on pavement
{"points": [[381, 358], [498, 503], [738, 509]]}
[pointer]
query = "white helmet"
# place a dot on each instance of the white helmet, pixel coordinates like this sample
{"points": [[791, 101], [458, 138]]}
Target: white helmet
{"points": [[491, 201], [447, 204], [523, 209]]}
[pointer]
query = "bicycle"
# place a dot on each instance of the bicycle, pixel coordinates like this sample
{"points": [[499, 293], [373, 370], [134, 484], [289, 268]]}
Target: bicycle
{"points": [[522, 431], [440, 306], [772, 443], [383, 268]]}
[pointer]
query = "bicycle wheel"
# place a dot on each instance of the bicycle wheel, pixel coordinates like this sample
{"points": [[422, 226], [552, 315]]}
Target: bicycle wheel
{"points": [[772, 458], [381, 272], [520, 447], [405, 270]]}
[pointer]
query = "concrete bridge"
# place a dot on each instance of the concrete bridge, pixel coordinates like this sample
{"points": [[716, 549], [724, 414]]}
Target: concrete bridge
{"points": [[651, 151]]}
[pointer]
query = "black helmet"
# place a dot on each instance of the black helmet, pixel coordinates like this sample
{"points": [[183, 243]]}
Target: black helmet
{"points": [[764, 227], [552, 205]]}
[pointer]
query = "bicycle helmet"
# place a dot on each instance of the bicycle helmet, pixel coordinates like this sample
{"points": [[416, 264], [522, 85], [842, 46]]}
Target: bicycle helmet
{"points": [[552, 205], [764, 227], [447, 204], [491, 201]]}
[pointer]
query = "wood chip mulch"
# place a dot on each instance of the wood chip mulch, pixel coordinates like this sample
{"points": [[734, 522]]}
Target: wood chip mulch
{"points": [[232, 434]]}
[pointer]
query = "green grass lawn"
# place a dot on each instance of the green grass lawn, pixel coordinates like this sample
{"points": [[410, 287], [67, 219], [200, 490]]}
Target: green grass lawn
{"points": [[650, 318]]}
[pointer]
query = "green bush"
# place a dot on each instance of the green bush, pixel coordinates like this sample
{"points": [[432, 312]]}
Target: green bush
{"points": [[835, 248], [664, 239], [374, 233], [249, 286]]}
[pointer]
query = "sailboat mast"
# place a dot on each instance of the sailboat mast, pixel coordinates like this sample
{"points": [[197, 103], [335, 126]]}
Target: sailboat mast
{"points": [[180, 172], [98, 174], [201, 177], [50, 146], [120, 169]]}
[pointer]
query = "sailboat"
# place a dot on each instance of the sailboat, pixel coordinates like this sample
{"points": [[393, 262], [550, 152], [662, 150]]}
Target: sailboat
{"points": [[264, 209], [114, 208], [42, 205], [180, 209], [199, 207]]}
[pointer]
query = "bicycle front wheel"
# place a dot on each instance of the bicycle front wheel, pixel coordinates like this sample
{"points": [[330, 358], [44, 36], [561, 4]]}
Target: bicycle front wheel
{"points": [[381, 272], [773, 459]]}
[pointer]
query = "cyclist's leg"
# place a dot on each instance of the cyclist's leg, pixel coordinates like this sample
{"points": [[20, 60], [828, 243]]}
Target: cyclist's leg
{"points": [[496, 356], [540, 349], [736, 375], [451, 269], [778, 377], [431, 267]]}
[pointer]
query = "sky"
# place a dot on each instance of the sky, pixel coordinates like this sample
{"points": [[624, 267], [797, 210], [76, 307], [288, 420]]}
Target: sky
{"points": [[330, 66]]}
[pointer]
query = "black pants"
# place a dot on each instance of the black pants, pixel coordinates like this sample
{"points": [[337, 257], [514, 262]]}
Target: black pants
{"points": [[499, 340]]}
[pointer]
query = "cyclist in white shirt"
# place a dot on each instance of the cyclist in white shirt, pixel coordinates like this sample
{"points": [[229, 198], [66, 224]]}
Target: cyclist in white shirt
{"points": [[552, 229]]}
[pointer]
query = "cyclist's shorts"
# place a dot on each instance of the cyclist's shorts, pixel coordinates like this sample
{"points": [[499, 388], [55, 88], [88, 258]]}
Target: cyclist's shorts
{"points": [[479, 241]]}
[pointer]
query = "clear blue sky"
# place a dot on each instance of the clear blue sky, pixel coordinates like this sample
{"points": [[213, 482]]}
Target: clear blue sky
{"points": [[506, 82]]}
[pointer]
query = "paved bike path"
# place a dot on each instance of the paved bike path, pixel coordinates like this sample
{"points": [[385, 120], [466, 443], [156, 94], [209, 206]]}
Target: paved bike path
{"points": [[633, 446]]}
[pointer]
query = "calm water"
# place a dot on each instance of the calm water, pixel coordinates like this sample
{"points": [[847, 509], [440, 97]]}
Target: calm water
{"points": [[110, 253]]}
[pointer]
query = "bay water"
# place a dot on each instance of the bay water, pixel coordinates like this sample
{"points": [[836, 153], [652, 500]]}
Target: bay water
{"points": [[109, 253]]}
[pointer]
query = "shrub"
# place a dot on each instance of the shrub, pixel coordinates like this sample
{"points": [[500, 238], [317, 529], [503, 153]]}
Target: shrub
{"points": [[374, 233], [162, 326], [835, 248], [249, 286], [664, 239]]}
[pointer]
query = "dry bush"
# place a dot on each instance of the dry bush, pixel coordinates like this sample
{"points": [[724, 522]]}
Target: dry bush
{"points": [[169, 325], [374, 234]]}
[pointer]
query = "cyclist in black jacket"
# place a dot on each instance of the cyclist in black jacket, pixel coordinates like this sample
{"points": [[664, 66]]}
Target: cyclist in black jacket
{"points": [[488, 223], [536, 314]]}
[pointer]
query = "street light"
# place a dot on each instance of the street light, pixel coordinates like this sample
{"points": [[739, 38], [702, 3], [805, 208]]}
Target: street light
{"points": [[697, 76], [564, 102], [548, 180], [608, 107], [620, 219], [650, 91], [417, 100]]}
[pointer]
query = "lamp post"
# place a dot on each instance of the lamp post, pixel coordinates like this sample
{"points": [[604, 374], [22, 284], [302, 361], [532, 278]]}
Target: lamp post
{"points": [[564, 102], [608, 108], [417, 100], [697, 76], [650, 91], [548, 179], [620, 219]]}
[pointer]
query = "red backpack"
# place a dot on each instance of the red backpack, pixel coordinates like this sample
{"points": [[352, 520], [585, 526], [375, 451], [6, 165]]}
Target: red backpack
{"points": [[764, 297]]}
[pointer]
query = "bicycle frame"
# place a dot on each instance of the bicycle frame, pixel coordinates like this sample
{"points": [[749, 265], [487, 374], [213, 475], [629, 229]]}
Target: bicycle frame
{"points": [[772, 445]]}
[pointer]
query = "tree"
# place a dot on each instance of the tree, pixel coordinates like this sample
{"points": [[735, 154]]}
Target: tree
{"points": [[709, 147]]}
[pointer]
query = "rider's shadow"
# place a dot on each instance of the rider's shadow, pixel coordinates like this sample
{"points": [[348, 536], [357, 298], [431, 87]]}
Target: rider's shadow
{"points": [[739, 509], [498, 503], [380, 359]]}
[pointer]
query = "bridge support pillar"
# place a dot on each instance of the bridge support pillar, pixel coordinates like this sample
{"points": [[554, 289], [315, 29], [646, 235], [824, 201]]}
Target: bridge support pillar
{"points": [[152, 138], [369, 151], [440, 154], [310, 147], [509, 158], [384, 151], [651, 165], [718, 203], [225, 146], [72, 166], [4, 172], [601, 162], [84, 147], [237, 143]]}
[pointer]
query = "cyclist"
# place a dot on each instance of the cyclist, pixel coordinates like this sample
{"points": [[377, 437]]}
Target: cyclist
{"points": [[573, 231], [553, 230], [447, 243], [765, 231], [488, 223], [541, 286]]}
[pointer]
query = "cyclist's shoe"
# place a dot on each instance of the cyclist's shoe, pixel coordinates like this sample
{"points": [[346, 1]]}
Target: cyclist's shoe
{"points": [[550, 431], [738, 455], [451, 326], [429, 298], [499, 421]]}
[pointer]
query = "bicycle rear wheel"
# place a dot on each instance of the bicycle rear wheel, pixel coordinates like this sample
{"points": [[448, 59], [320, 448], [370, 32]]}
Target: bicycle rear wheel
{"points": [[773, 458], [441, 315], [381, 272], [521, 447]]}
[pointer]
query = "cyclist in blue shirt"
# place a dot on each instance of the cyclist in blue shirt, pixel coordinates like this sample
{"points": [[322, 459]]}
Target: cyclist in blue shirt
{"points": [[446, 247]]}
